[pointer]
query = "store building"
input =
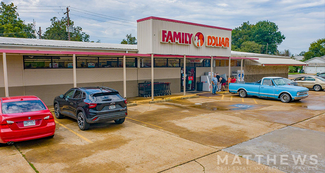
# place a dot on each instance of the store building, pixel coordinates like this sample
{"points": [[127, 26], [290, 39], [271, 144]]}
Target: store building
{"points": [[47, 68]]}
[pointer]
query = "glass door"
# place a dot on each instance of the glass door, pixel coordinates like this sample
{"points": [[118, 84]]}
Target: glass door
{"points": [[190, 79]]}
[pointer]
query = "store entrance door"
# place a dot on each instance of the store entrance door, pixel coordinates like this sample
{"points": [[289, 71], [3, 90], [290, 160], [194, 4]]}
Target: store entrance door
{"points": [[190, 79]]}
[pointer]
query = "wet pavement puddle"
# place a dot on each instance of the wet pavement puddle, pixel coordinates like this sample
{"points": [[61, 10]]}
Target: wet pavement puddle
{"points": [[315, 107], [241, 106], [222, 107]]}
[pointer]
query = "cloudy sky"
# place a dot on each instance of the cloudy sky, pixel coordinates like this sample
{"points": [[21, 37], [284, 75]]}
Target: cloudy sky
{"points": [[301, 21]]}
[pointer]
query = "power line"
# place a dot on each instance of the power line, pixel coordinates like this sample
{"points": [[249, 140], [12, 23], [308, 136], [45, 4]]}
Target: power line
{"points": [[96, 19], [100, 15]]}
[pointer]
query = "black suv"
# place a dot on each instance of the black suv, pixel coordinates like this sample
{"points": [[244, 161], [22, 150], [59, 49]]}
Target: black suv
{"points": [[91, 105]]}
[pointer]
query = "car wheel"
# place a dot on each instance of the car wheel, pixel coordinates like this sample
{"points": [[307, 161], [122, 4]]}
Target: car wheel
{"points": [[285, 98], [120, 121], [242, 93], [317, 87], [57, 113], [82, 123]]}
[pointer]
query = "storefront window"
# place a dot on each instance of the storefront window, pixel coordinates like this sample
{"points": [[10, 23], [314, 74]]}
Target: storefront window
{"points": [[173, 62], [221, 63], [87, 62], [145, 62], [62, 62], [130, 62], [160, 62], [108, 62], [225, 63], [206, 63], [196, 62], [31, 62]]}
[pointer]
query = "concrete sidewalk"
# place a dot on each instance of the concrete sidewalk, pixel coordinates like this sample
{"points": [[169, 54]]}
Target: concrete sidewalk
{"points": [[142, 100]]}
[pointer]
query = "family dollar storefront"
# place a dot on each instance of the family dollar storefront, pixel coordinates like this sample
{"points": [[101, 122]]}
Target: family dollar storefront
{"points": [[200, 49], [172, 54]]}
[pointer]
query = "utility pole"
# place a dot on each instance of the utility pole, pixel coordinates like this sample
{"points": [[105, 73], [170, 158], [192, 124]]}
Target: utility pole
{"points": [[40, 33], [34, 28], [68, 22]]}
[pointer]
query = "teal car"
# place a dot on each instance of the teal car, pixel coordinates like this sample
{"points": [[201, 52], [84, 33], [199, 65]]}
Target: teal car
{"points": [[270, 87]]}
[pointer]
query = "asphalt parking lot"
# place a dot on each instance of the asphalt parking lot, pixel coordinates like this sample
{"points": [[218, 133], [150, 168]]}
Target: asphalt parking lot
{"points": [[186, 135]]}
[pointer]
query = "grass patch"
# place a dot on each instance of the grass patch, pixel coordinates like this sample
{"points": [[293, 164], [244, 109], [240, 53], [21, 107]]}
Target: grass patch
{"points": [[295, 73]]}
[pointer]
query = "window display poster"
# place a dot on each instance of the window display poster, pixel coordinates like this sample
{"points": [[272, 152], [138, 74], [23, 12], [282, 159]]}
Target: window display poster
{"points": [[91, 65], [55, 65]]}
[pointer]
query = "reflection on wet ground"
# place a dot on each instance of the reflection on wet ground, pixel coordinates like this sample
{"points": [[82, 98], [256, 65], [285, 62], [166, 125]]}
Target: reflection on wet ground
{"points": [[313, 102], [222, 107], [159, 136]]}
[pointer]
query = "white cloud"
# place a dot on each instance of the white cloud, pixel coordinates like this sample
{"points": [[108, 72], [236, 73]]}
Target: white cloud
{"points": [[301, 21], [223, 5]]}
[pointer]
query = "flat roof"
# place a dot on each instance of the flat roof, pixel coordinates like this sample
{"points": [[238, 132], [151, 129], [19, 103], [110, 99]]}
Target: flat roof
{"points": [[279, 62], [183, 22], [249, 54], [27, 42]]}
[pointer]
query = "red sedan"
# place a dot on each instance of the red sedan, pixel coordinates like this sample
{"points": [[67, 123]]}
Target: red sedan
{"points": [[24, 118]]}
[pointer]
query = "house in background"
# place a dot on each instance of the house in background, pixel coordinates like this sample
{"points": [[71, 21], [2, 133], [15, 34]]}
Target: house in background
{"points": [[315, 65]]}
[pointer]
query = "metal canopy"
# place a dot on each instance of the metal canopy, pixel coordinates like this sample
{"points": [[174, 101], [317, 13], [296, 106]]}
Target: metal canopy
{"points": [[279, 62]]}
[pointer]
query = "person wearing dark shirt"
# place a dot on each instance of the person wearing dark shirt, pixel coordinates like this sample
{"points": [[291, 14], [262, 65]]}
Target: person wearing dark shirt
{"points": [[223, 83], [218, 84]]}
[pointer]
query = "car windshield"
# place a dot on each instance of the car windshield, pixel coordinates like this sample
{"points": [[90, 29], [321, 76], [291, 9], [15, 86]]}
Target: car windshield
{"points": [[22, 106], [320, 78], [279, 81], [287, 80]]}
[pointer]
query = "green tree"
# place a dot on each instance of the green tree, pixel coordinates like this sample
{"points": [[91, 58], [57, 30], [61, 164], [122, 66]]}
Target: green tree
{"points": [[250, 46], [264, 33], [286, 52], [129, 40], [241, 35], [57, 31], [316, 49], [11, 25], [302, 53]]}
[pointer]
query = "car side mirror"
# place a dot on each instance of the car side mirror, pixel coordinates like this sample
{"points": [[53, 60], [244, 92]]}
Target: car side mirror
{"points": [[61, 96], [66, 98]]}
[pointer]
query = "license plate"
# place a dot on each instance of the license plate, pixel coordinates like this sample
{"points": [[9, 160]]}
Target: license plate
{"points": [[111, 107], [29, 123]]}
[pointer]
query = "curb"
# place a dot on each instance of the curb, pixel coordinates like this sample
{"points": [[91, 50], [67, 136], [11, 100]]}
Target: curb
{"points": [[164, 100]]}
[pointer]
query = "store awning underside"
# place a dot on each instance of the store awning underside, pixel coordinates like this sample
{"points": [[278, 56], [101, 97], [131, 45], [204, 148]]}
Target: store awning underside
{"points": [[278, 62]]}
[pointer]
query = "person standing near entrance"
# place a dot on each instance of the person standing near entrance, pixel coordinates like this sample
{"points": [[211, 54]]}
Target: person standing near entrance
{"points": [[233, 79], [223, 83], [214, 84], [218, 82]]}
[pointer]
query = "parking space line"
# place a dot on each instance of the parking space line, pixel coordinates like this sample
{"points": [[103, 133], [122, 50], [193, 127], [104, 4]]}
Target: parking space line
{"points": [[255, 101], [144, 122], [242, 99], [74, 132]]}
